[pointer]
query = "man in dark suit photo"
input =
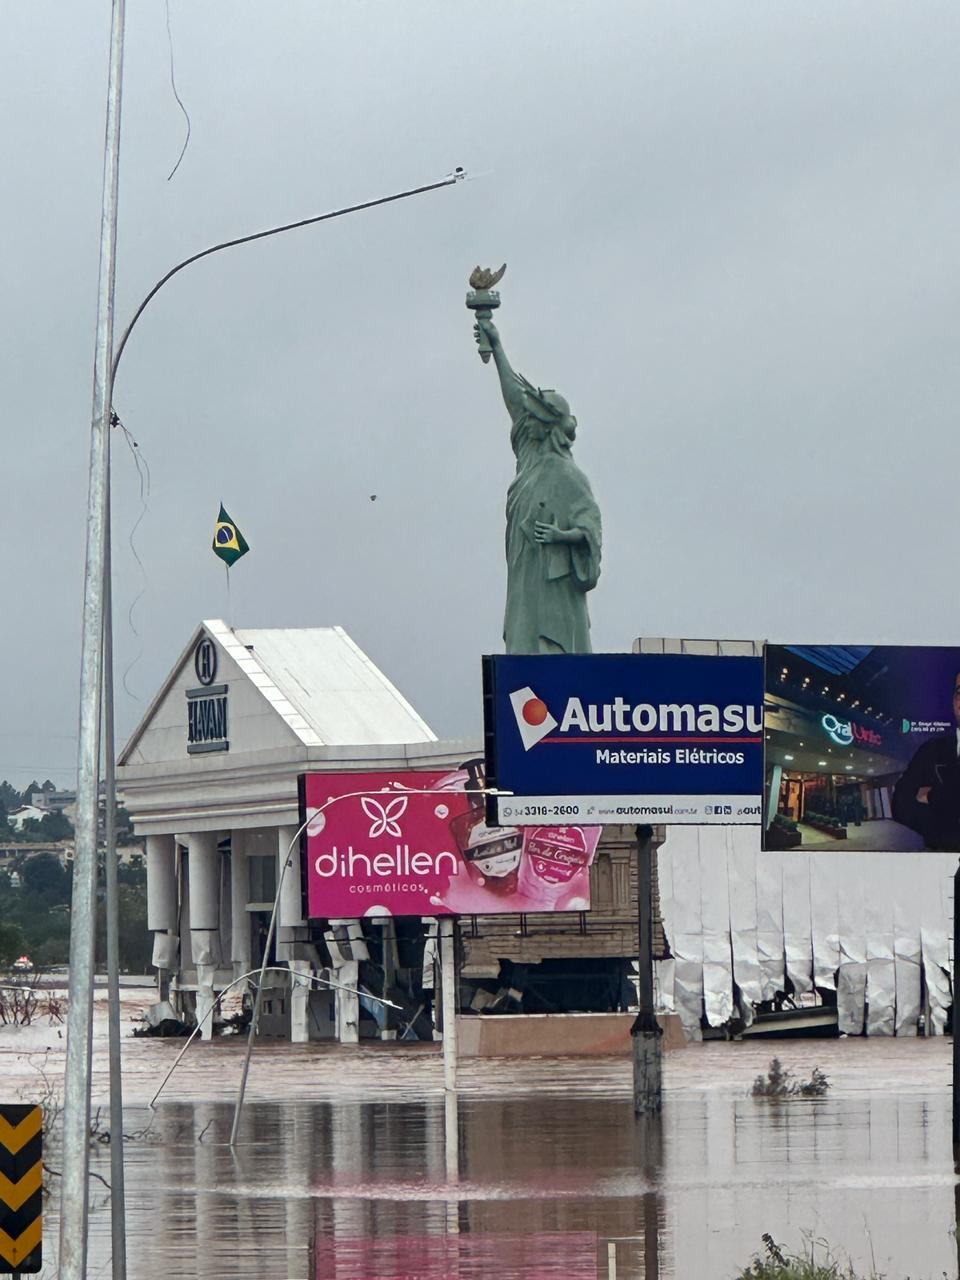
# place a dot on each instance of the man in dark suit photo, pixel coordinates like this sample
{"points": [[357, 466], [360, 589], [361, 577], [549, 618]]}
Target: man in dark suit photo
{"points": [[927, 797]]}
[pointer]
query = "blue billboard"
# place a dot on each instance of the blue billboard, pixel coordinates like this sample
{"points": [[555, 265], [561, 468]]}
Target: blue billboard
{"points": [[622, 737]]}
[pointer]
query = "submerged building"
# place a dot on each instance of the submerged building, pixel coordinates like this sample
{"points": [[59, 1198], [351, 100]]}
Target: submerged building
{"points": [[210, 778], [860, 940]]}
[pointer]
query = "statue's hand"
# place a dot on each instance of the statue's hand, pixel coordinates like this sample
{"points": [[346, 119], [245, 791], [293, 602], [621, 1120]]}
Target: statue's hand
{"points": [[486, 329], [548, 532], [544, 532]]}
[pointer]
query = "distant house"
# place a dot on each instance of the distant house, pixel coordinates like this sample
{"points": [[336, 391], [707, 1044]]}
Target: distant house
{"points": [[53, 801], [19, 816]]}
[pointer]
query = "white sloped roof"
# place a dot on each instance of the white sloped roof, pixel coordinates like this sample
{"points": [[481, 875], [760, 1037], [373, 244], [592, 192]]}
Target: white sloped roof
{"points": [[323, 685]]}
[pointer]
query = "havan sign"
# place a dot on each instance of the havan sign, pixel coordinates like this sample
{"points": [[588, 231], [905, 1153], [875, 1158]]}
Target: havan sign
{"points": [[207, 719]]}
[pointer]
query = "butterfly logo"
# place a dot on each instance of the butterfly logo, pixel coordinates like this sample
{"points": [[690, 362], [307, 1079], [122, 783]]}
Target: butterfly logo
{"points": [[384, 818]]}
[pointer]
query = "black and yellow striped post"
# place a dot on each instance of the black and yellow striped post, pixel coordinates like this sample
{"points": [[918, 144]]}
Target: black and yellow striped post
{"points": [[21, 1188]]}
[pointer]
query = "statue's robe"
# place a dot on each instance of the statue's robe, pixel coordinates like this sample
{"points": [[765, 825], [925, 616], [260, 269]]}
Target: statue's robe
{"points": [[547, 582]]}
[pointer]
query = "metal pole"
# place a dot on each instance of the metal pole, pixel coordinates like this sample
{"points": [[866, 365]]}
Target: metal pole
{"points": [[645, 1032], [955, 1019], [448, 995], [448, 987], [118, 1233], [76, 1100]]}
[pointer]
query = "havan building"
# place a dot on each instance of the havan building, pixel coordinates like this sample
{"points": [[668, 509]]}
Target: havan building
{"points": [[210, 778]]}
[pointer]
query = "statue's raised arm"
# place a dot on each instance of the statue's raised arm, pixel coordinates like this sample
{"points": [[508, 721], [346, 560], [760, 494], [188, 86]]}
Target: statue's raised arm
{"points": [[486, 332], [553, 522]]}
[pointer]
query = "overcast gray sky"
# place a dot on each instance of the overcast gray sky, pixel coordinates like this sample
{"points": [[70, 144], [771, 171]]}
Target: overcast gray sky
{"points": [[732, 238]]}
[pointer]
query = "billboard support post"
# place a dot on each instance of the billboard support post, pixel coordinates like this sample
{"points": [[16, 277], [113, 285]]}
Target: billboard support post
{"points": [[448, 980], [646, 1033], [448, 995], [955, 1018]]}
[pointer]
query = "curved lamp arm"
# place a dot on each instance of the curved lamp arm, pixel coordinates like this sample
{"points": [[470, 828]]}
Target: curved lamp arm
{"points": [[450, 180]]}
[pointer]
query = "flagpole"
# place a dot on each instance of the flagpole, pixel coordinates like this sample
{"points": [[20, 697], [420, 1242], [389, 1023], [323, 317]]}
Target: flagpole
{"points": [[76, 1099]]}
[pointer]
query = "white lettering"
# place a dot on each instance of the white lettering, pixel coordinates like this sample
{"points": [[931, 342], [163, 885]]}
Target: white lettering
{"points": [[598, 723], [574, 716], [708, 720], [354, 858], [330, 859], [644, 717], [732, 719], [672, 714]]}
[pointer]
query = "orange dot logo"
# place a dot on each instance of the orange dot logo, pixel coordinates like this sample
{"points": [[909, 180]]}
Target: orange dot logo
{"points": [[535, 711]]}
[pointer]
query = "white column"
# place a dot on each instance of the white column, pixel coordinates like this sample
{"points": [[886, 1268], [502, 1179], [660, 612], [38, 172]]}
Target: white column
{"points": [[300, 973], [162, 904], [348, 1004], [239, 897], [205, 921], [290, 910]]}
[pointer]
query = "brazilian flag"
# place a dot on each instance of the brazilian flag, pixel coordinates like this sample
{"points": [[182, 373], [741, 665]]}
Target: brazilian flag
{"points": [[228, 542]]}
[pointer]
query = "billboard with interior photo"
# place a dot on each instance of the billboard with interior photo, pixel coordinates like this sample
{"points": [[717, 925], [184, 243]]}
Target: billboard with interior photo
{"points": [[861, 747]]}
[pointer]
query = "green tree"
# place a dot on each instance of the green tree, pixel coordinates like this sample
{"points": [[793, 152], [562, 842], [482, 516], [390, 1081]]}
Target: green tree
{"points": [[50, 941], [56, 826], [12, 944], [124, 824], [132, 872], [28, 791], [45, 877], [9, 796], [136, 943]]}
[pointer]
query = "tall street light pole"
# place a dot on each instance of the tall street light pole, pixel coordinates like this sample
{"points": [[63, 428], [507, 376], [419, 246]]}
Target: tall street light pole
{"points": [[76, 1101]]}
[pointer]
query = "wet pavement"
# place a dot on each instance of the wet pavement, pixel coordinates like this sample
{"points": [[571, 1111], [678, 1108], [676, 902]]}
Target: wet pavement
{"points": [[344, 1170]]}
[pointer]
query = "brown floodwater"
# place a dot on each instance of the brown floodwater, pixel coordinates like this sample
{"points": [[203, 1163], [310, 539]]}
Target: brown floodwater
{"points": [[344, 1170]]}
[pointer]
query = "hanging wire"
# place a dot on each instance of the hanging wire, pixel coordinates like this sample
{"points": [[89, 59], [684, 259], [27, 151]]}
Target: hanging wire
{"points": [[143, 473], [173, 86]]}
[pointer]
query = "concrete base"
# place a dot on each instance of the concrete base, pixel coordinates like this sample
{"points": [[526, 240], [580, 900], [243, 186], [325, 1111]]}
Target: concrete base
{"points": [[523, 1035]]}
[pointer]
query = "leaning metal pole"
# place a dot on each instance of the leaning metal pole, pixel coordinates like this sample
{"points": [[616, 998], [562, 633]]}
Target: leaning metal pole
{"points": [[118, 1235], [76, 1101]]}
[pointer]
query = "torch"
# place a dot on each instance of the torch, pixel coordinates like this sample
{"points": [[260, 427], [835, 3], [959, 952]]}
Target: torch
{"points": [[483, 300]]}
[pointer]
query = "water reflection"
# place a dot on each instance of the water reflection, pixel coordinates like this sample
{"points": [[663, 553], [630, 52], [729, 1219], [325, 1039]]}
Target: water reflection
{"points": [[533, 1187]]}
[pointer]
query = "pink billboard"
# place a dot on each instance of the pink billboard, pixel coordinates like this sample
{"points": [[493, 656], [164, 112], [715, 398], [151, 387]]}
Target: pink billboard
{"points": [[415, 843]]}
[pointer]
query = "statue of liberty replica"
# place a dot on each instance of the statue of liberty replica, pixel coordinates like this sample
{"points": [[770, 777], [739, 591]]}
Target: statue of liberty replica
{"points": [[553, 522]]}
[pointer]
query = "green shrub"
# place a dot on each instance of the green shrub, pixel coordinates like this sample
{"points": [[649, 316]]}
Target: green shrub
{"points": [[775, 1264], [781, 1083]]}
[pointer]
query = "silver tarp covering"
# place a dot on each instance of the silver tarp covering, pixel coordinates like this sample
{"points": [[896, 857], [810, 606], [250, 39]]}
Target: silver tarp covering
{"points": [[868, 925]]}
